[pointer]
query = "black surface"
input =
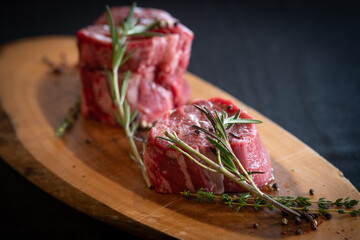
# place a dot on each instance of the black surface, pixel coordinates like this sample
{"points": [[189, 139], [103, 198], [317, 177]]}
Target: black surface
{"points": [[298, 63]]}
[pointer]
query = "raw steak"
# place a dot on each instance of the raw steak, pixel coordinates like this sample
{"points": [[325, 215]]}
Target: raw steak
{"points": [[172, 172], [158, 66]]}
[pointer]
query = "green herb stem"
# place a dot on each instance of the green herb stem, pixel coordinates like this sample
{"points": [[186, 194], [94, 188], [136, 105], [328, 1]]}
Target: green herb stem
{"points": [[69, 119], [322, 210], [138, 158], [249, 204], [125, 118]]}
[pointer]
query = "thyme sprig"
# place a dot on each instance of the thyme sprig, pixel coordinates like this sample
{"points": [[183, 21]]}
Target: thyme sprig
{"points": [[227, 160], [126, 118], [69, 119], [299, 203]]}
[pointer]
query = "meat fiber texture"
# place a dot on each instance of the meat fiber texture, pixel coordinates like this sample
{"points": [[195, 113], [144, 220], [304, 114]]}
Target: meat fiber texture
{"points": [[172, 172], [158, 66]]}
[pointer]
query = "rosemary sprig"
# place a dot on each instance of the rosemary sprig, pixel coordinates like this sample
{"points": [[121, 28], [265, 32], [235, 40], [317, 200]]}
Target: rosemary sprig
{"points": [[227, 160], [220, 140], [299, 203], [69, 119], [128, 120]]}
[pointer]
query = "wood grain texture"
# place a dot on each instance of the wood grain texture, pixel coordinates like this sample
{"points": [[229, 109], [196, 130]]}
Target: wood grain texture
{"points": [[101, 180]]}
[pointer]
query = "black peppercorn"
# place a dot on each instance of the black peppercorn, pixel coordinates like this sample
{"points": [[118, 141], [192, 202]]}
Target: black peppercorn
{"points": [[328, 216], [256, 225], [275, 186], [197, 131], [89, 140], [297, 220], [58, 70], [311, 191], [211, 129], [230, 107], [298, 232]]}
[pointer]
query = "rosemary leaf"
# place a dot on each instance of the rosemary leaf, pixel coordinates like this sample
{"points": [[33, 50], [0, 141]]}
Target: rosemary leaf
{"points": [[133, 115], [124, 86], [166, 139], [244, 120], [236, 116], [114, 33]]}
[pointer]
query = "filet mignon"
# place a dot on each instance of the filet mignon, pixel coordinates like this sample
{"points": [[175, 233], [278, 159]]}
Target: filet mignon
{"points": [[172, 172], [158, 66]]}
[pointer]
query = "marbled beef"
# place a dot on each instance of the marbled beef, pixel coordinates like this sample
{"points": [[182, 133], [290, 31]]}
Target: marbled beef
{"points": [[172, 172], [158, 66]]}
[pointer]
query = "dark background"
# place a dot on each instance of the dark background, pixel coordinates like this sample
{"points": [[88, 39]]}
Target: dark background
{"points": [[296, 62]]}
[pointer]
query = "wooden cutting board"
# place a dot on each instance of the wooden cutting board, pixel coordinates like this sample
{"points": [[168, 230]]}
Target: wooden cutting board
{"points": [[100, 179]]}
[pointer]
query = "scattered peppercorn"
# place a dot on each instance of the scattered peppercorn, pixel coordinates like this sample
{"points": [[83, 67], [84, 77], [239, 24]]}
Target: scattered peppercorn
{"points": [[58, 70], [284, 221], [176, 23], [298, 232], [311, 191], [197, 131], [89, 140], [256, 225], [230, 107], [314, 225], [297, 220], [211, 129], [275, 186], [328, 216]]}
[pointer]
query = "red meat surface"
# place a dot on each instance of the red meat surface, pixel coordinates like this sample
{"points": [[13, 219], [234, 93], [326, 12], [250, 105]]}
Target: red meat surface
{"points": [[172, 172], [158, 66]]}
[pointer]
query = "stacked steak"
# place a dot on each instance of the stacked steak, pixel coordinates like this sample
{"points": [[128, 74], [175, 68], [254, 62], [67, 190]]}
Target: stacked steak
{"points": [[172, 172], [158, 66]]}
